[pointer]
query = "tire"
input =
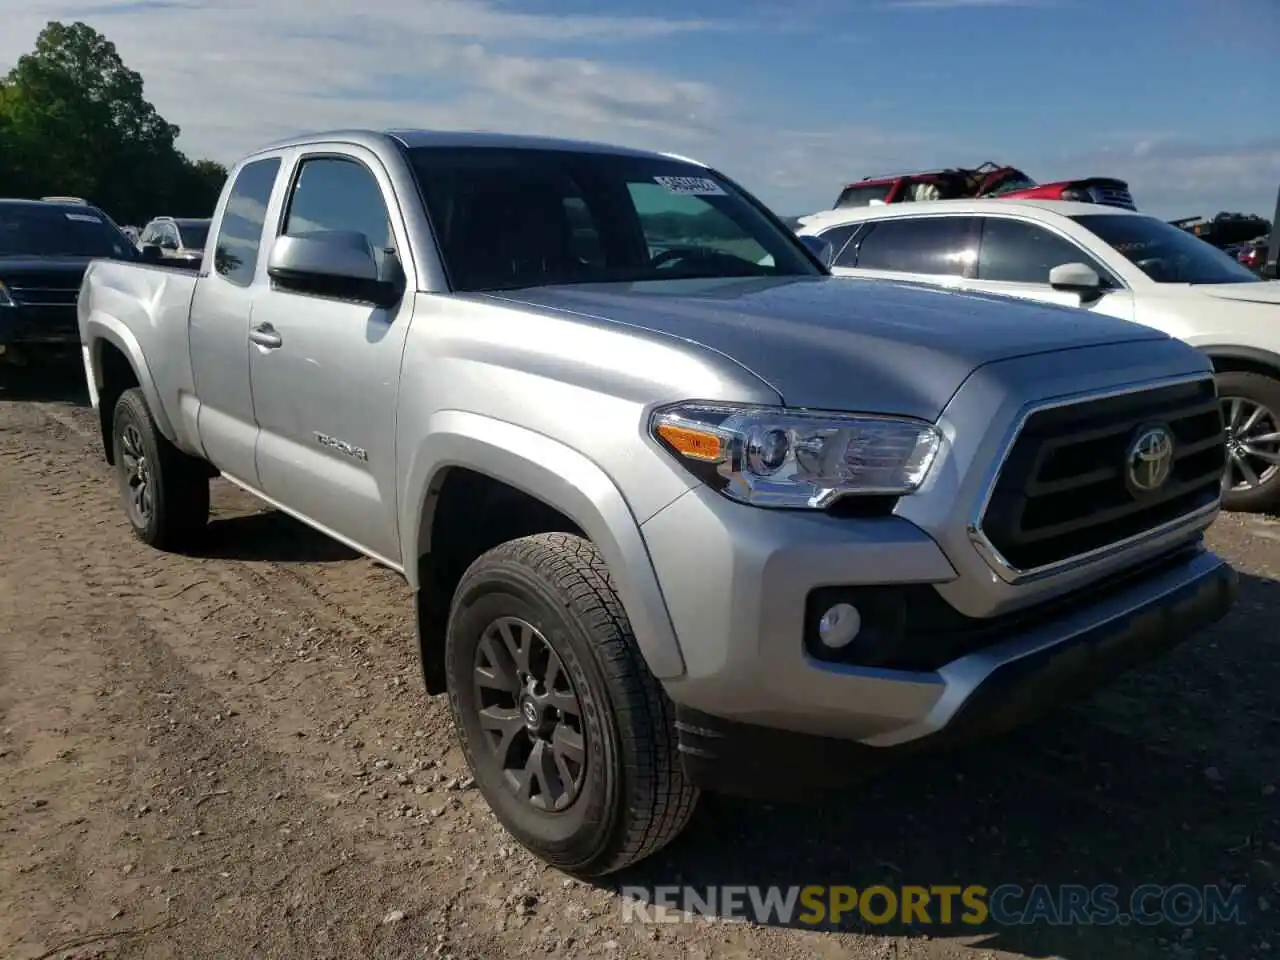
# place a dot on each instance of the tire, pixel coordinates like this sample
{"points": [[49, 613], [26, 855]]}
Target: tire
{"points": [[176, 513], [633, 798], [1252, 390]]}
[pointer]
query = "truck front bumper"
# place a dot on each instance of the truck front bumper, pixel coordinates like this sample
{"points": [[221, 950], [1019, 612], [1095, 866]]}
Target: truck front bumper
{"points": [[757, 714]]}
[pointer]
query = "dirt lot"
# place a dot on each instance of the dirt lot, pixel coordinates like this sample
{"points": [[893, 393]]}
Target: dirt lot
{"points": [[231, 756]]}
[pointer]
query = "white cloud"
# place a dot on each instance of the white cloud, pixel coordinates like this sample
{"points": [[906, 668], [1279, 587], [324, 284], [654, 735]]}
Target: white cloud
{"points": [[234, 74], [1170, 176]]}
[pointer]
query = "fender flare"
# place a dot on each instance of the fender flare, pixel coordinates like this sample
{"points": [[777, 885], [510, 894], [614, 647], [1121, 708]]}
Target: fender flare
{"points": [[1239, 352], [102, 327], [560, 477]]}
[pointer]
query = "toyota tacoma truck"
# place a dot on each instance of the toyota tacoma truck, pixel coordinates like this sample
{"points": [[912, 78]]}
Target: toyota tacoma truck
{"points": [[680, 510]]}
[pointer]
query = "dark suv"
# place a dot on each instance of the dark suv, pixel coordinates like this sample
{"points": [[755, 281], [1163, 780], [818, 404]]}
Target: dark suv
{"points": [[45, 246]]}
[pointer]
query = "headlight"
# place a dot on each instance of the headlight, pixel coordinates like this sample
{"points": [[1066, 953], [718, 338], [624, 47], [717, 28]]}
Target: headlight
{"points": [[774, 457], [5, 299]]}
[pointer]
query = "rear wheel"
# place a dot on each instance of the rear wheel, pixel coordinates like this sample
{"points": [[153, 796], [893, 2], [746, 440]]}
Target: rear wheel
{"points": [[1251, 414], [569, 736], [165, 493]]}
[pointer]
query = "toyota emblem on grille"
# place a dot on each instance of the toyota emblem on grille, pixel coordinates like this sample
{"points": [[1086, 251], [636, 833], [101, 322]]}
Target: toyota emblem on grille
{"points": [[1149, 460]]}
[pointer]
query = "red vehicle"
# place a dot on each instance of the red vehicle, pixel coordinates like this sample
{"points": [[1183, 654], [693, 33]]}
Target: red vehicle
{"points": [[1253, 255], [985, 180]]}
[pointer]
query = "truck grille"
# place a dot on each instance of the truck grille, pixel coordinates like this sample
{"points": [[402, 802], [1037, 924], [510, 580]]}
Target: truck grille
{"points": [[45, 296], [1065, 488], [49, 313], [1113, 197]]}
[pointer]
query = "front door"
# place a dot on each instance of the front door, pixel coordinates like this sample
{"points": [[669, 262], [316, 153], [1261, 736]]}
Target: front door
{"points": [[326, 371], [1014, 260]]}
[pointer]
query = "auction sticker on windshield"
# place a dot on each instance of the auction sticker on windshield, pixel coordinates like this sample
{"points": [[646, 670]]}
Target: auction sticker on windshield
{"points": [[691, 186]]}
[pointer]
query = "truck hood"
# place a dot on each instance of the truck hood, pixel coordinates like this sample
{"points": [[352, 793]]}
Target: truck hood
{"points": [[62, 271], [842, 344]]}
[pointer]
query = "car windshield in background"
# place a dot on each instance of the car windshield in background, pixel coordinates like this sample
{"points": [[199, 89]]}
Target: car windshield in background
{"points": [[31, 230], [194, 235], [1011, 185], [1163, 252], [862, 196], [508, 218]]}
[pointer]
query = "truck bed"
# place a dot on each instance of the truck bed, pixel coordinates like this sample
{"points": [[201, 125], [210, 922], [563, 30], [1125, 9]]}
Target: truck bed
{"points": [[143, 310]]}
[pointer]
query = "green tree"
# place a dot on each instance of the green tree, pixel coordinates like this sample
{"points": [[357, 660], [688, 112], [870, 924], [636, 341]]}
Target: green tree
{"points": [[74, 120]]}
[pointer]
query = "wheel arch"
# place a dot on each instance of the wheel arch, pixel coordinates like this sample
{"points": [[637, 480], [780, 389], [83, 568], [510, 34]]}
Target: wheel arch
{"points": [[116, 363], [1242, 359], [564, 484]]}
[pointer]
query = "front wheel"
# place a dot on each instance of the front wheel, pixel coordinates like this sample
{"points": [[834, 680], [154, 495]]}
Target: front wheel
{"points": [[1251, 415], [570, 738]]}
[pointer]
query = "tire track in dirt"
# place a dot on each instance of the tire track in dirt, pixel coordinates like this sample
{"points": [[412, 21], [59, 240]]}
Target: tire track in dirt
{"points": [[166, 618], [294, 704], [372, 617], [286, 678]]}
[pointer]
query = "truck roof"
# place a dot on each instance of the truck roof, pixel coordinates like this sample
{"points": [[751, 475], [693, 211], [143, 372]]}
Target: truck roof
{"points": [[463, 138]]}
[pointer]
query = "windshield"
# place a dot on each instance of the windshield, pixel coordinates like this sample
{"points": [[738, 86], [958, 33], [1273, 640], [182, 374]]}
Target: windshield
{"points": [[1163, 252], [31, 230], [194, 234], [1016, 182], [509, 218], [862, 196]]}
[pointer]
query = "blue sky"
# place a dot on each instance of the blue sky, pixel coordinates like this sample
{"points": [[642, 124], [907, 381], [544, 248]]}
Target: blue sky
{"points": [[791, 98]]}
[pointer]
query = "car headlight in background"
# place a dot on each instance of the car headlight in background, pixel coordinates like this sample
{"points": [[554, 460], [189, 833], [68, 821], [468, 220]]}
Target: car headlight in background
{"points": [[775, 457], [5, 299]]}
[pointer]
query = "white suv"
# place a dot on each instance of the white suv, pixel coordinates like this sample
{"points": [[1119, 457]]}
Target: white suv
{"points": [[1118, 262]]}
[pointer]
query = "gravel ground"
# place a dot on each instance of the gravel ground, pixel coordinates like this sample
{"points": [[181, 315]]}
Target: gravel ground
{"points": [[231, 756]]}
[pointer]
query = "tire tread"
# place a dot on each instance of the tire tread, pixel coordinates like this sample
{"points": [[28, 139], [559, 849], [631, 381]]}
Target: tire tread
{"points": [[184, 486], [1266, 391], [659, 800]]}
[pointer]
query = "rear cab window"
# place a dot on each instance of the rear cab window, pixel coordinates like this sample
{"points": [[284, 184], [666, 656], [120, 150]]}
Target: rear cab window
{"points": [[235, 257]]}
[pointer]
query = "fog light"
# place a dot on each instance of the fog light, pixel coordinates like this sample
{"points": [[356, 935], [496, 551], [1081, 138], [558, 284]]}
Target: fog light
{"points": [[839, 626]]}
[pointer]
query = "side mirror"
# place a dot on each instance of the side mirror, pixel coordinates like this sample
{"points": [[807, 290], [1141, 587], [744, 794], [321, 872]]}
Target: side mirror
{"points": [[1075, 277], [151, 253], [820, 248], [335, 263]]}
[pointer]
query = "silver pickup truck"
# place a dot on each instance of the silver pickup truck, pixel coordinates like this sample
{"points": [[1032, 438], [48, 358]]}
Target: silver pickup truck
{"points": [[681, 511]]}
